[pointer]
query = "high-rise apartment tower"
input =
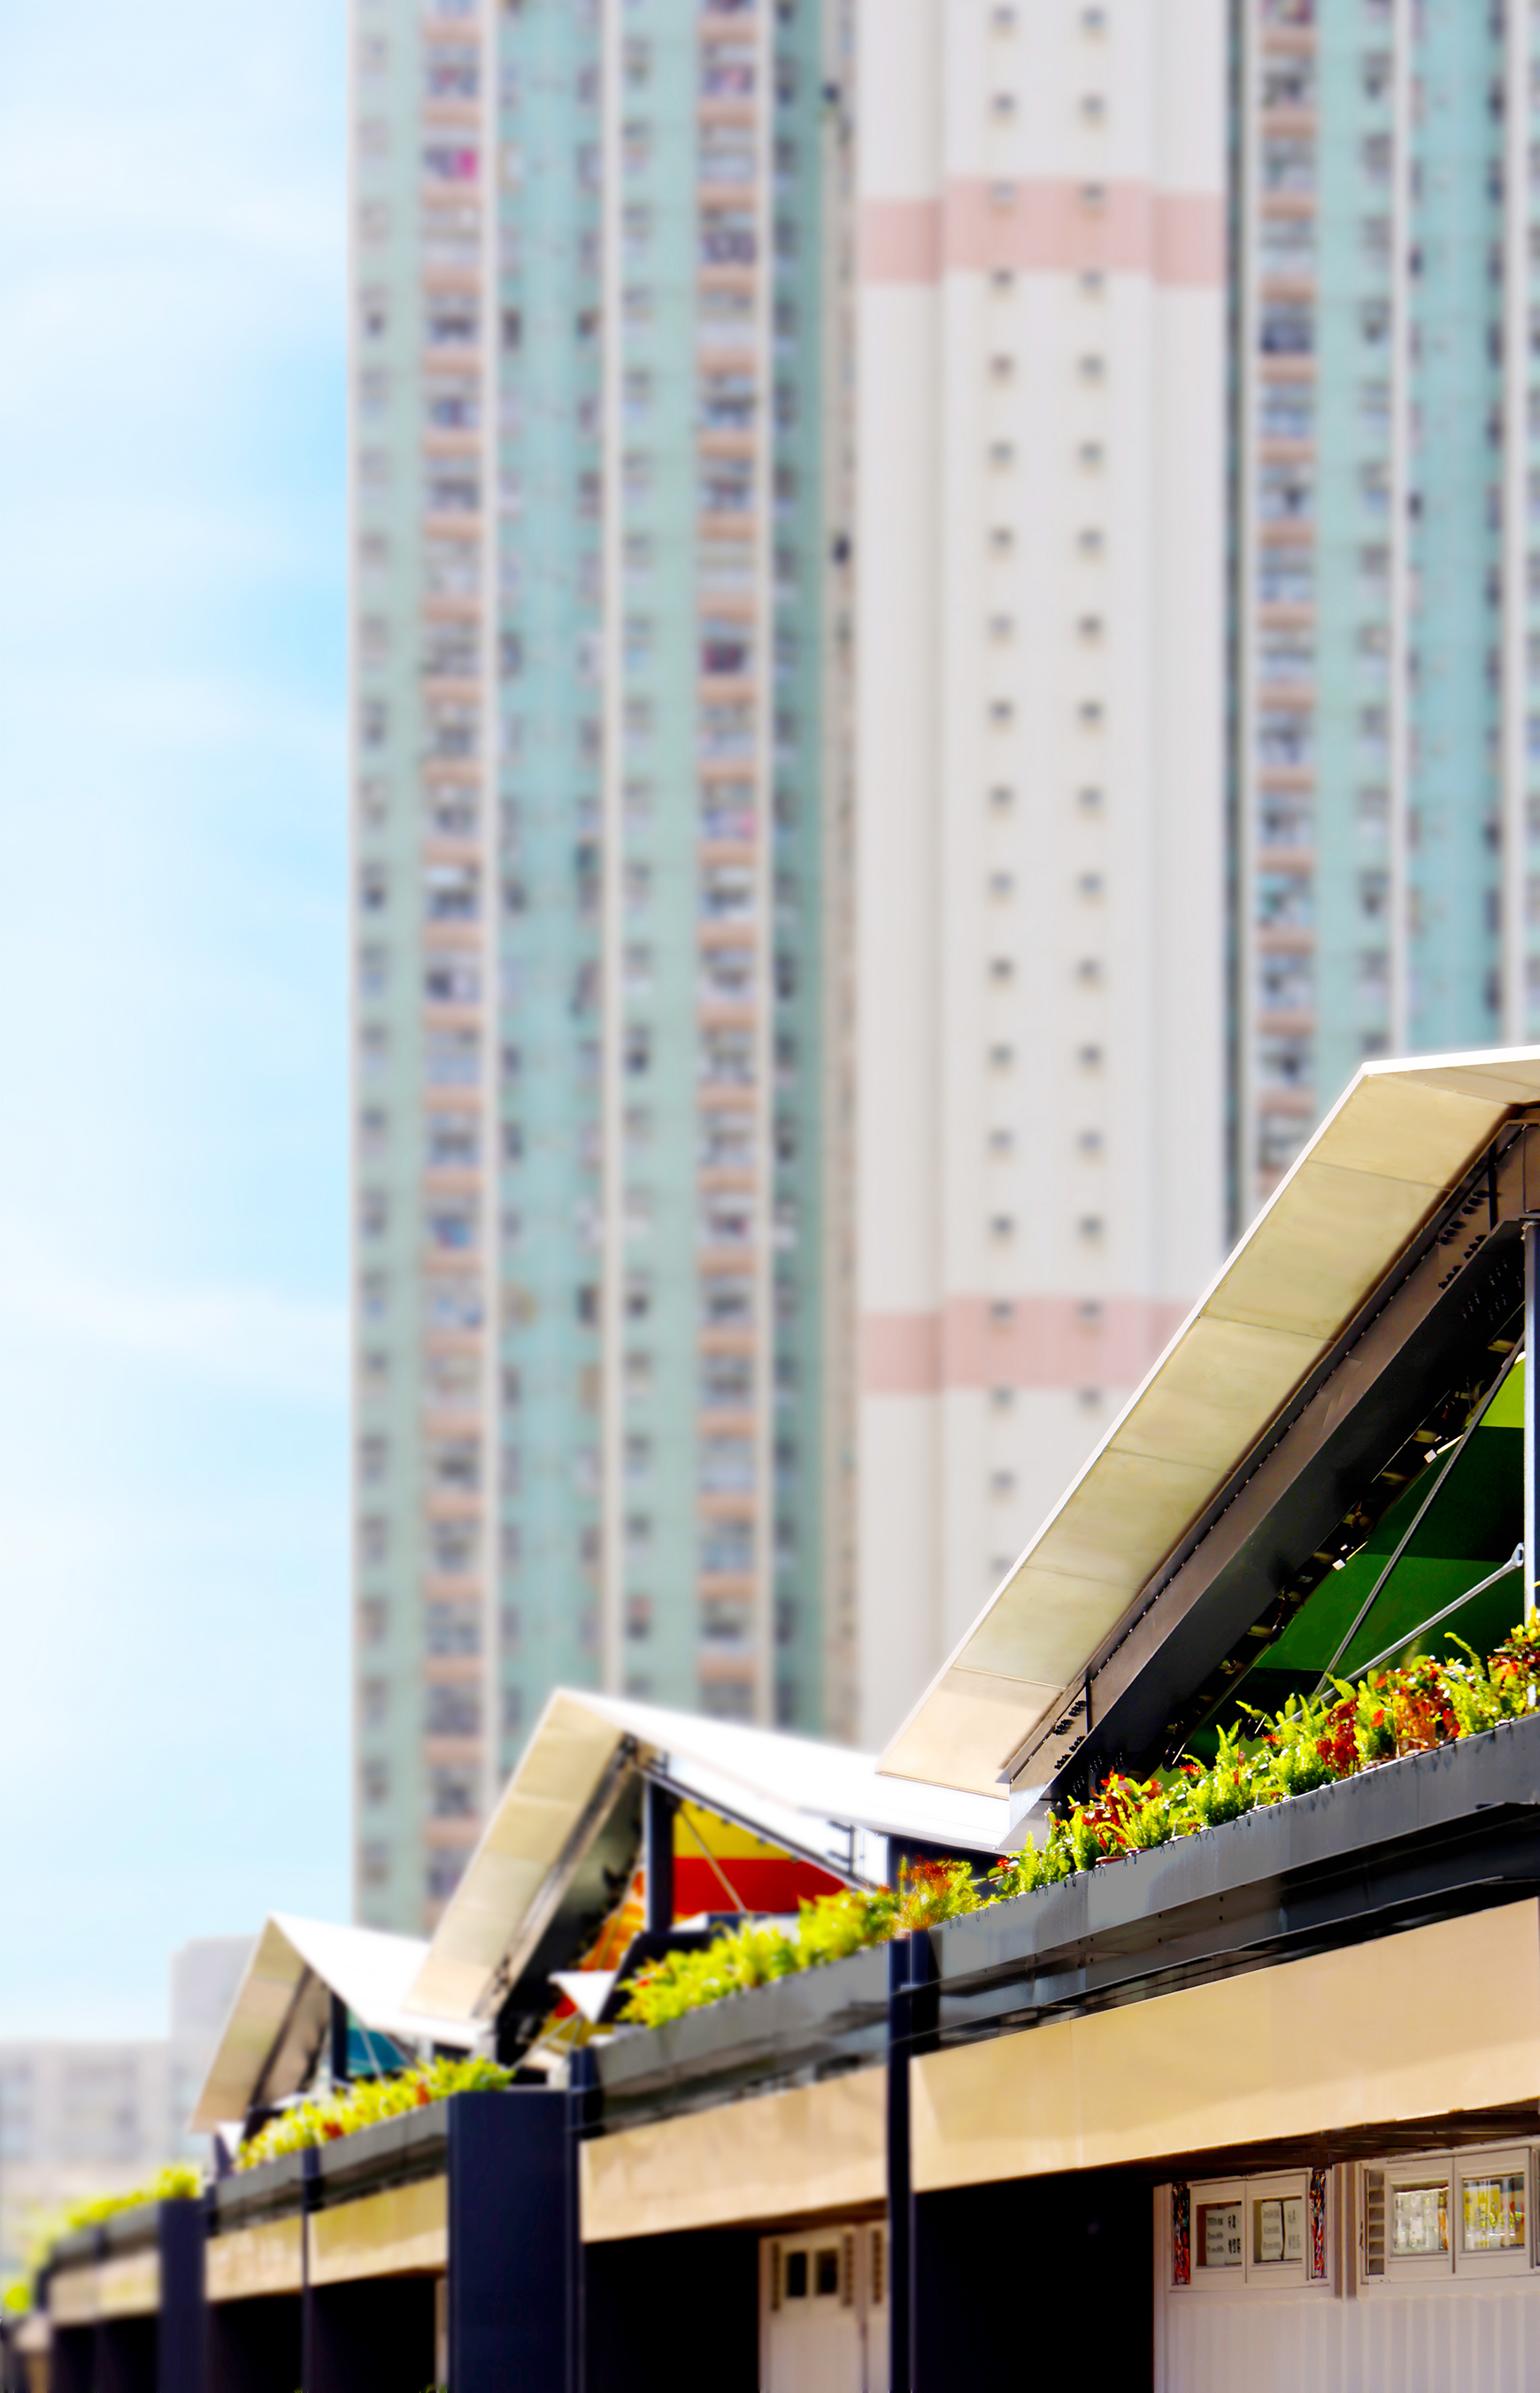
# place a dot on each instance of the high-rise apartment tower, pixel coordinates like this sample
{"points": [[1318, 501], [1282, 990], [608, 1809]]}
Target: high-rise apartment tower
{"points": [[1040, 732], [596, 473], [1387, 408]]}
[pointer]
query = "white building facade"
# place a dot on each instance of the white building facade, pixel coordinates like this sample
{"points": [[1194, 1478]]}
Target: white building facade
{"points": [[1039, 708]]}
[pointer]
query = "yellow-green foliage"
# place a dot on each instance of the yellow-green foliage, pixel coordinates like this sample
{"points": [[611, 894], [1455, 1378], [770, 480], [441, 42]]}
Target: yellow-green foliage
{"points": [[1353, 1727], [1380, 1719], [181, 2181], [829, 1928], [322, 2122]]}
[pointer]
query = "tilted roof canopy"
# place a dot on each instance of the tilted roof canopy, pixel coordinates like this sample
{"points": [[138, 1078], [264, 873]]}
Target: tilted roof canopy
{"points": [[1394, 1148], [282, 2009], [814, 1798]]}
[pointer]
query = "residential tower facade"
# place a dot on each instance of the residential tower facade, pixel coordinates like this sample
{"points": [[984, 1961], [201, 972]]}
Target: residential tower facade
{"points": [[1387, 412], [593, 580], [1040, 711]]}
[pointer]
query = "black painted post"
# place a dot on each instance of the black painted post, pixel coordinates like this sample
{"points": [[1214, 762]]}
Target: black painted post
{"points": [[338, 2040], [582, 2111], [658, 1857], [1532, 1407], [913, 2014], [309, 2185], [181, 2351], [509, 2255], [900, 2199]]}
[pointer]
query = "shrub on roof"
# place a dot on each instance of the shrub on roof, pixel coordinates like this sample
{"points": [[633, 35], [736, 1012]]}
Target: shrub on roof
{"points": [[1348, 1728], [330, 2116]]}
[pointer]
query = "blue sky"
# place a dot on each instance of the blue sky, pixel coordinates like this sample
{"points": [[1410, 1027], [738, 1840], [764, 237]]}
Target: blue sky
{"points": [[173, 1105]]}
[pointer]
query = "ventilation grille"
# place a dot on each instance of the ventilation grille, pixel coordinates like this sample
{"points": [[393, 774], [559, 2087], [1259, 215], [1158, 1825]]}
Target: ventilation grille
{"points": [[1373, 2222]]}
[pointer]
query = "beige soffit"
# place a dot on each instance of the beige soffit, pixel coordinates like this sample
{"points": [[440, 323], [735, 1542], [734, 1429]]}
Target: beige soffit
{"points": [[781, 2155], [1398, 1142], [1372, 2035], [795, 1790], [282, 2009]]}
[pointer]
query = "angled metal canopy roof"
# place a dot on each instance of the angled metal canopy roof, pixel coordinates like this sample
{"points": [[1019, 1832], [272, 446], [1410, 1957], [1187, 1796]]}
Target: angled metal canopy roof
{"points": [[1382, 1164], [571, 1785], [282, 2009]]}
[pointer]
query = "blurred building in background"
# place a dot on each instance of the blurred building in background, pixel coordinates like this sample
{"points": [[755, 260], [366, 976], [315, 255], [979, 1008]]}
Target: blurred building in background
{"points": [[597, 443], [78, 2120], [1387, 386], [1040, 883]]}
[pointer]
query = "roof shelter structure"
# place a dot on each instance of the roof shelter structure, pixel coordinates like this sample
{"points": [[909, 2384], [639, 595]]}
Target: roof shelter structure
{"points": [[1377, 1276], [316, 1995], [568, 1831], [1272, 2088]]}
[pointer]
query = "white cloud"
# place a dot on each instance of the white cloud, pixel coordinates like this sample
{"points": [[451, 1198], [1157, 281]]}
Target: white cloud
{"points": [[260, 1340]]}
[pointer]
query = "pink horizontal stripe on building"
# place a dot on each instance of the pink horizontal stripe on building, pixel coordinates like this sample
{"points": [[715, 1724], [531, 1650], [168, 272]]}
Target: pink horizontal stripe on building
{"points": [[1047, 226], [1046, 1343]]}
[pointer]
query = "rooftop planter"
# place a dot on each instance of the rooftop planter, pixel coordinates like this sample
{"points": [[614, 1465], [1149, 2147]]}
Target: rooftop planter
{"points": [[829, 2018]]}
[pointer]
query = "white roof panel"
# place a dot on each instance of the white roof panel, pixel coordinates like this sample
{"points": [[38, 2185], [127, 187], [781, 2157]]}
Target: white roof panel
{"points": [[1399, 1141], [794, 1789]]}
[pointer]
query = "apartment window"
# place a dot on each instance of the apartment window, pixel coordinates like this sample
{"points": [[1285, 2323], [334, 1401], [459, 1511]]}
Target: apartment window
{"points": [[1375, 157], [443, 1874], [452, 1304], [1288, 165], [453, 1711], [453, 1058], [448, 162], [454, 1791], [451, 976], [449, 70]]}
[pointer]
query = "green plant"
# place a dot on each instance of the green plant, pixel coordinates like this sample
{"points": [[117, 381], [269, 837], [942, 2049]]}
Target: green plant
{"points": [[181, 2181], [829, 1928], [334, 2115], [1357, 1726]]}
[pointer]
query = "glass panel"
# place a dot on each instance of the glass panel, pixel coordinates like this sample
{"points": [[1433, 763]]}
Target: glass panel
{"points": [[1278, 2229], [1219, 2244], [1419, 2217], [1492, 2213]]}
